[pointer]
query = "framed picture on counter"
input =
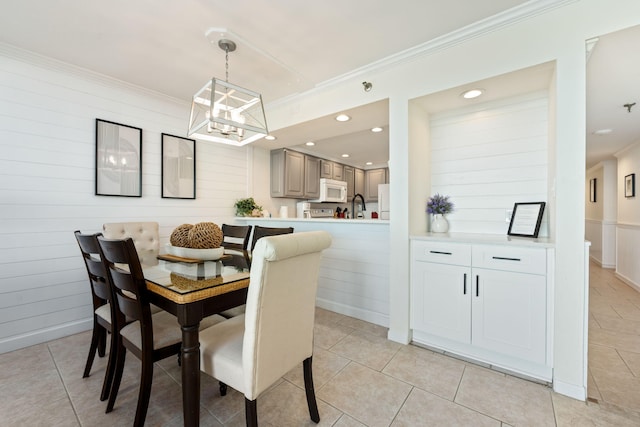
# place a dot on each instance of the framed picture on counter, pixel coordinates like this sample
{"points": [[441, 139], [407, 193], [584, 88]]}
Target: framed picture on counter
{"points": [[178, 167], [118, 159], [526, 219]]}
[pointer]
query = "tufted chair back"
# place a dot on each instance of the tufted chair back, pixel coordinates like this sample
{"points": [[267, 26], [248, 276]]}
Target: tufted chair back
{"points": [[145, 235]]}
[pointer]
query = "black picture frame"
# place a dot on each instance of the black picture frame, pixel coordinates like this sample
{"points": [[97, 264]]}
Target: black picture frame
{"points": [[118, 159], [630, 185], [178, 167], [592, 190], [526, 219]]}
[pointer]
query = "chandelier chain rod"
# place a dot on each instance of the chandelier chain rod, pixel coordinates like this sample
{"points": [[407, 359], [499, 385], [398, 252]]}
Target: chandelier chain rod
{"points": [[226, 61]]}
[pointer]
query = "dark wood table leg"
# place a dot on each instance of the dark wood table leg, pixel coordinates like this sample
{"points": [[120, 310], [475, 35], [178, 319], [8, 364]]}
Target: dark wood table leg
{"points": [[191, 375]]}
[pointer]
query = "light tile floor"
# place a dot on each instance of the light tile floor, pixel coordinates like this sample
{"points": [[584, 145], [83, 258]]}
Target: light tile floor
{"points": [[614, 341], [361, 379]]}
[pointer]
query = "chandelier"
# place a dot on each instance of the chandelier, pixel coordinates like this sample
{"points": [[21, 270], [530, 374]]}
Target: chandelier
{"points": [[226, 113]]}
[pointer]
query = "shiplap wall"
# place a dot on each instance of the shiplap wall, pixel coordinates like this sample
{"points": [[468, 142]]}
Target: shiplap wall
{"points": [[47, 156], [354, 271], [488, 157]]}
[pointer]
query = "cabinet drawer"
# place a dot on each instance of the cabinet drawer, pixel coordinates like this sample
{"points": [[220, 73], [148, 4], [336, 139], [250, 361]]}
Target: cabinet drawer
{"points": [[508, 258], [444, 253]]}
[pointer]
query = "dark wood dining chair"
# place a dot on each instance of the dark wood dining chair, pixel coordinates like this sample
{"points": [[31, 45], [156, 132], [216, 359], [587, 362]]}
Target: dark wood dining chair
{"points": [[236, 236], [259, 232], [149, 337], [103, 310], [252, 352]]}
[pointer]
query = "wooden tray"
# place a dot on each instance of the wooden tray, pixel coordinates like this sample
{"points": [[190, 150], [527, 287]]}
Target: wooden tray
{"points": [[174, 258]]}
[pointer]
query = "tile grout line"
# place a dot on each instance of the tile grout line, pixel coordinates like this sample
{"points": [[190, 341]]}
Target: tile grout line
{"points": [[64, 384]]}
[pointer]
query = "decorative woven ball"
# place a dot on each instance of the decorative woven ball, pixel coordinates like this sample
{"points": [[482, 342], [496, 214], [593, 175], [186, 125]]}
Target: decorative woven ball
{"points": [[205, 235], [180, 236]]}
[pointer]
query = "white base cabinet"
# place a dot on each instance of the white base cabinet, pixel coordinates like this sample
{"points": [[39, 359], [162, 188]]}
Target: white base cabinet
{"points": [[486, 302]]}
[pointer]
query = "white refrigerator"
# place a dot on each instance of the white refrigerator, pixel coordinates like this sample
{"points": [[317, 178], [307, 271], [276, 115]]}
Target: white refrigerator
{"points": [[383, 201]]}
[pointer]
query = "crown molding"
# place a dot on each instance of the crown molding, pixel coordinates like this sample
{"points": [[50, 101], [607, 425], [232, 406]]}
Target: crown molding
{"points": [[493, 23], [52, 64]]}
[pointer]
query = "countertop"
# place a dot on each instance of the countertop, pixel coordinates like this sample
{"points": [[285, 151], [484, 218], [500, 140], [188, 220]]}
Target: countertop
{"points": [[316, 220], [491, 239]]}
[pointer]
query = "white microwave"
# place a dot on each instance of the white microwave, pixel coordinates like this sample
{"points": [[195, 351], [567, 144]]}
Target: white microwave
{"points": [[332, 191]]}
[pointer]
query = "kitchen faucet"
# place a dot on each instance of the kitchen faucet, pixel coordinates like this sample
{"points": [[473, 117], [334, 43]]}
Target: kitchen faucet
{"points": [[353, 205]]}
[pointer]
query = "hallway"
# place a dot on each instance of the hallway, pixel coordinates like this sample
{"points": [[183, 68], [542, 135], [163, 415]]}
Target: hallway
{"points": [[614, 341]]}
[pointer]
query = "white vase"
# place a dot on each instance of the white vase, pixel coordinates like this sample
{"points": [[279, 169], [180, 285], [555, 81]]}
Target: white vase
{"points": [[439, 224]]}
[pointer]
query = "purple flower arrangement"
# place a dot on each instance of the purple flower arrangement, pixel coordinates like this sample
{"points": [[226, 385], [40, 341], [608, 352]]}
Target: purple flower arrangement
{"points": [[439, 204]]}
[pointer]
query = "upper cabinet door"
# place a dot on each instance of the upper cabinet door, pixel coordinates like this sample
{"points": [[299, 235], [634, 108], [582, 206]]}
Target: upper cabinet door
{"points": [[338, 172], [287, 174], [373, 177], [358, 180], [349, 177], [326, 169], [311, 177]]}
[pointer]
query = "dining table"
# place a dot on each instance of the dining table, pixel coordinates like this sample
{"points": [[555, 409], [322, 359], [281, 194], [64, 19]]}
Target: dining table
{"points": [[192, 289]]}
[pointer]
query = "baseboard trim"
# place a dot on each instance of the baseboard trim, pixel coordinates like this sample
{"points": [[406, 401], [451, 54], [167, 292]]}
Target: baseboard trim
{"points": [[358, 313], [44, 335], [628, 281], [570, 390]]}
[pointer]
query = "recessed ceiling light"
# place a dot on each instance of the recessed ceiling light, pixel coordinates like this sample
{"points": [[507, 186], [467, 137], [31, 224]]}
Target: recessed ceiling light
{"points": [[270, 138], [369, 163], [376, 129], [473, 93], [343, 118], [345, 155], [310, 143], [603, 131]]}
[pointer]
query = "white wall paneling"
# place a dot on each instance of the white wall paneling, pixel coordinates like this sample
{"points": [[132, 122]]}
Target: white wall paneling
{"points": [[627, 265], [354, 272], [488, 157], [47, 158], [601, 215]]}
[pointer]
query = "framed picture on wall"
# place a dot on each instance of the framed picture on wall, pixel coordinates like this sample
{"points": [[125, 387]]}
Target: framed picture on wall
{"points": [[630, 185], [178, 167], [526, 219], [592, 190], [118, 159]]}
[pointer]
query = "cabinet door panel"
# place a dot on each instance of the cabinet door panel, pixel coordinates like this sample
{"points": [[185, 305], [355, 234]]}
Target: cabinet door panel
{"points": [[349, 177], [338, 172], [311, 177], [358, 180], [294, 174], [373, 177], [441, 300], [326, 169], [509, 313]]}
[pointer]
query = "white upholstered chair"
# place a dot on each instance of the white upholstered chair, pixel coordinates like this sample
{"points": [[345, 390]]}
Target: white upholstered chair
{"points": [[252, 351], [145, 235]]}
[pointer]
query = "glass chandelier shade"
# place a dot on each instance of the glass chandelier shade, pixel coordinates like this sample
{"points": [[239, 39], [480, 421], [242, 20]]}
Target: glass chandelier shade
{"points": [[227, 113]]}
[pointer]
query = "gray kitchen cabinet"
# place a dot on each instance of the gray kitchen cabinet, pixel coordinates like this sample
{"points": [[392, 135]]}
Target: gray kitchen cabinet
{"points": [[326, 169], [338, 172], [372, 178], [358, 181], [331, 170], [287, 174], [349, 177], [311, 177]]}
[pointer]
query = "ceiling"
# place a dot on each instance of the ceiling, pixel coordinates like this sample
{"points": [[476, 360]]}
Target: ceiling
{"points": [[285, 47], [613, 79]]}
